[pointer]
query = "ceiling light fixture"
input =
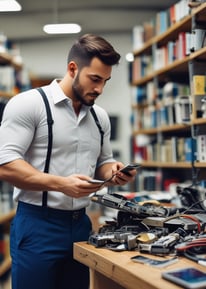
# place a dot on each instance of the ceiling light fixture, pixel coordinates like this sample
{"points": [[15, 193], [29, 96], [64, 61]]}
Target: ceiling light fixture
{"points": [[60, 28], [66, 28], [129, 57], [9, 6]]}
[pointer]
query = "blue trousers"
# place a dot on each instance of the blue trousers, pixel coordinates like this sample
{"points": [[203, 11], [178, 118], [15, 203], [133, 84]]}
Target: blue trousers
{"points": [[42, 248]]}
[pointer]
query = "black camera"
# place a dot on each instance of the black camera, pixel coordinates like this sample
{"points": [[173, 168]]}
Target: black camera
{"points": [[190, 197]]}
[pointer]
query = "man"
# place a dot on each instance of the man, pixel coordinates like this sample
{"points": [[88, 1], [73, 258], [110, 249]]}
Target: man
{"points": [[52, 199]]}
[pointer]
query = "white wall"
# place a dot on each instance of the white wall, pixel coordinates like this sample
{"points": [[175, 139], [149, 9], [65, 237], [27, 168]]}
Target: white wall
{"points": [[46, 58]]}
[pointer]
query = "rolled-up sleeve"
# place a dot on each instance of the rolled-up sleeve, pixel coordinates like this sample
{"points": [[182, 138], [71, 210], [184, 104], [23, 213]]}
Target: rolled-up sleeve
{"points": [[18, 127]]}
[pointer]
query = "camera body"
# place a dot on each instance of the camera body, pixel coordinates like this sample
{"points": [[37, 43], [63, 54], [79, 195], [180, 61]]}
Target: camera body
{"points": [[192, 197]]}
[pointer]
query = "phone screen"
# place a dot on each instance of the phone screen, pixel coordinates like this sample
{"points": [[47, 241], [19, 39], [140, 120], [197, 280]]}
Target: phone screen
{"points": [[94, 181], [154, 262], [130, 167], [188, 277]]}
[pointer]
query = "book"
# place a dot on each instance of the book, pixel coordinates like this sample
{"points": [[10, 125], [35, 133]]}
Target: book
{"points": [[201, 148], [174, 149], [199, 84], [138, 37], [180, 149], [190, 149], [182, 109]]}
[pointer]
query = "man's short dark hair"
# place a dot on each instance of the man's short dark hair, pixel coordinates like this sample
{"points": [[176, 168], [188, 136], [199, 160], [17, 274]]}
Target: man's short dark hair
{"points": [[89, 46]]}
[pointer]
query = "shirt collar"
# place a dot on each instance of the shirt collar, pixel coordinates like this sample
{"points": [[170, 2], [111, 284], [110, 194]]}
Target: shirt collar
{"points": [[58, 95], [56, 92]]}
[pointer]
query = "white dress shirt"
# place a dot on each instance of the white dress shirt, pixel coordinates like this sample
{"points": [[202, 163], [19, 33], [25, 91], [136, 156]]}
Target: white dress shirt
{"points": [[76, 141]]}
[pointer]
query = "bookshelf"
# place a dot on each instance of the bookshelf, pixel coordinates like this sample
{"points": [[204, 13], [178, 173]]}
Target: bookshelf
{"points": [[8, 59], [7, 217], [5, 220], [12, 80], [167, 109]]}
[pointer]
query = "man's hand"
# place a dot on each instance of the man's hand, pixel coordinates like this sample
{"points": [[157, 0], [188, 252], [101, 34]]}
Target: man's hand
{"points": [[78, 186], [111, 173]]}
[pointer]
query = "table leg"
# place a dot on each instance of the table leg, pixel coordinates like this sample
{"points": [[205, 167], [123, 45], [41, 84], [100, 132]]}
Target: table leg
{"points": [[99, 281]]}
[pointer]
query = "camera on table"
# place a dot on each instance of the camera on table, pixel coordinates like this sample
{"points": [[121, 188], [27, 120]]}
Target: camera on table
{"points": [[192, 197]]}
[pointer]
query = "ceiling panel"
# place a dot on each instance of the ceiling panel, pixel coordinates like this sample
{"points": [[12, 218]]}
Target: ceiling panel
{"points": [[97, 16]]}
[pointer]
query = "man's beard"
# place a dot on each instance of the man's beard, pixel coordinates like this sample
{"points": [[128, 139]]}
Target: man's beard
{"points": [[78, 93]]}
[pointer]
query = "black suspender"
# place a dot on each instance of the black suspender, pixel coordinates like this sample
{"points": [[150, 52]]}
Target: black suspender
{"points": [[98, 124], [50, 140], [50, 136]]}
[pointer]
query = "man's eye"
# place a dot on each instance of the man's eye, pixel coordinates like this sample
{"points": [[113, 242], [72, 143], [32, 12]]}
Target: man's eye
{"points": [[95, 79]]}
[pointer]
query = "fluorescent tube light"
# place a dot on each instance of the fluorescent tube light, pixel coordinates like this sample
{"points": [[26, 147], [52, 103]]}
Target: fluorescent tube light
{"points": [[9, 5], [67, 28]]}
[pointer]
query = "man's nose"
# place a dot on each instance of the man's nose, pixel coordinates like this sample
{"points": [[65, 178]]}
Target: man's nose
{"points": [[99, 88]]}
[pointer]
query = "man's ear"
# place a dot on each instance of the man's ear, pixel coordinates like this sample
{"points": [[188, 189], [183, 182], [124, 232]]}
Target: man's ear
{"points": [[72, 68]]}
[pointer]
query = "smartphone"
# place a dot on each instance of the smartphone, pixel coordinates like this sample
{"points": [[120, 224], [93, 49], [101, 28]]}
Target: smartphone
{"points": [[130, 167], [124, 170], [190, 278], [95, 181], [154, 262]]}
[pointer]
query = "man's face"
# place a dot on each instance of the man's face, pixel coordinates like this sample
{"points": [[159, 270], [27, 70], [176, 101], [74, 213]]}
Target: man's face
{"points": [[90, 81]]}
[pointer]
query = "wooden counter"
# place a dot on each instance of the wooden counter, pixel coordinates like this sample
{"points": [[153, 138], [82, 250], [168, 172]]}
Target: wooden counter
{"points": [[115, 270]]}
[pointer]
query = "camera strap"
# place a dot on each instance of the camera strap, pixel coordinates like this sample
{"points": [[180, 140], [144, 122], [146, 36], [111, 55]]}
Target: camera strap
{"points": [[50, 122]]}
